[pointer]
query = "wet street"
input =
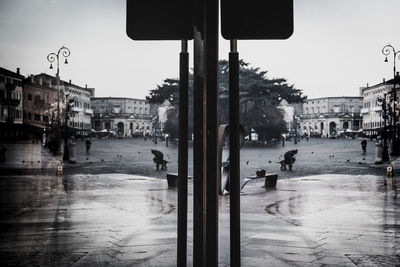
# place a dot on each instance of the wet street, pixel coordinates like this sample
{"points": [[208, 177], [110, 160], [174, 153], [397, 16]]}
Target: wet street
{"points": [[111, 208], [128, 220], [318, 156]]}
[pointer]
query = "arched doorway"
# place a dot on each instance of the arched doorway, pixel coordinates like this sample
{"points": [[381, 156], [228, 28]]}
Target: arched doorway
{"points": [[120, 127], [332, 128], [345, 125], [131, 128], [322, 127], [108, 125]]}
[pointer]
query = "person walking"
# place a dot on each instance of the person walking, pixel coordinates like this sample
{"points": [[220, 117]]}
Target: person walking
{"points": [[364, 146], [87, 143], [44, 138]]}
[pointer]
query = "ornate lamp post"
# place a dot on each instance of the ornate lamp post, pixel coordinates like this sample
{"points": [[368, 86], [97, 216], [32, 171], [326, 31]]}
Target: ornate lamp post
{"points": [[65, 52], [387, 50], [385, 153]]}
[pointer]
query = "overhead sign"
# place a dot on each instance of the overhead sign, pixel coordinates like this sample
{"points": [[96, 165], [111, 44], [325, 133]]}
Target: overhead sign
{"points": [[256, 19], [159, 19]]}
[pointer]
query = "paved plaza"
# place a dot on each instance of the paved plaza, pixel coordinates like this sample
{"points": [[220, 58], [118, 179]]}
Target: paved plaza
{"points": [[129, 220], [318, 156], [336, 208]]}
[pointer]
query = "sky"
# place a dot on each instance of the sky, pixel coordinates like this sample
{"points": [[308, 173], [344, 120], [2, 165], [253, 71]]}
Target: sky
{"points": [[336, 46]]}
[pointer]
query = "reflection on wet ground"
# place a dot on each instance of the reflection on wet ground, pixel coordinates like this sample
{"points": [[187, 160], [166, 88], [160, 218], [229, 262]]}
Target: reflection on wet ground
{"points": [[127, 220]]}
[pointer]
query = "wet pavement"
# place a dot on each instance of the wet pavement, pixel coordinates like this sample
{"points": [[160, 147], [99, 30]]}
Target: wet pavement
{"points": [[130, 220], [318, 156], [28, 157]]}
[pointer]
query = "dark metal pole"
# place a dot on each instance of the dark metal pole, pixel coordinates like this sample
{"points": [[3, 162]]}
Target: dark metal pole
{"points": [[211, 17], [183, 154], [234, 155], [295, 128], [385, 153], [66, 152], [198, 141], [387, 49]]}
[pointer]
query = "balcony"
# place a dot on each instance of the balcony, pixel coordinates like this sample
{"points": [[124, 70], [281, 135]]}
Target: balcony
{"points": [[10, 86], [364, 110], [10, 102], [377, 108], [76, 109], [89, 111]]}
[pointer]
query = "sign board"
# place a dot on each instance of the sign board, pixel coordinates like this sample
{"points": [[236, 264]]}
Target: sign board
{"points": [[256, 19], [159, 19]]}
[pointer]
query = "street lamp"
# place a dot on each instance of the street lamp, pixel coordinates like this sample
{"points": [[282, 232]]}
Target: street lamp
{"points": [[387, 50], [295, 127], [65, 52], [385, 153]]}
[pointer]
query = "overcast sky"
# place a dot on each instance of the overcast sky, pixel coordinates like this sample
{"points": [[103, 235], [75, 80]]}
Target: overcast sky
{"points": [[336, 46]]}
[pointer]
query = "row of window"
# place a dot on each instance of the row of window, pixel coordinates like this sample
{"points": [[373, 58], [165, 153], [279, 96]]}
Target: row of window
{"points": [[336, 109], [79, 125], [36, 117], [373, 124], [117, 109], [10, 81], [10, 112]]}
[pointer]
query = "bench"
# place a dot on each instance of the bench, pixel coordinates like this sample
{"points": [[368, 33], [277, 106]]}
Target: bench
{"points": [[172, 179], [270, 180]]}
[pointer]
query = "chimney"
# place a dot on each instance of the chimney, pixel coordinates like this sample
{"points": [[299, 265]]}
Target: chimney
{"points": [[384, 80], [367, 85], [18, 71], [32, 79], [70, 81], [86, 86], [397, 73]]}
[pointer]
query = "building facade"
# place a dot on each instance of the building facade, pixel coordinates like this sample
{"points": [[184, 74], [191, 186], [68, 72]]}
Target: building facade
{"points": [[290, 116], [372, 107], [11, 104], [124, 116], [80, 112], [331, 116], [40, 105]]}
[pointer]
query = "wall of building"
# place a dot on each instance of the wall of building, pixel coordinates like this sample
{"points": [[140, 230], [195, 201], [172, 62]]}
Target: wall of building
{"points": [[11, 104], [330, 116], [372, 108], [124, 116], [40, 104]]}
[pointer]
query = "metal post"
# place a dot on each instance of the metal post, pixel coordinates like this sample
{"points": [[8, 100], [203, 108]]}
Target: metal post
{"points": [[66, 151], [183, 154], [295, 128], [385, 153], [211, 17], [234, 155], [198, 141], [65, 52], [386, 50]]}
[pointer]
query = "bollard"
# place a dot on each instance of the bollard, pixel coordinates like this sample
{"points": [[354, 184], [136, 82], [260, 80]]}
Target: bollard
{"points": [[59, 171], [389, 170], [378, 153], [71, 149]]}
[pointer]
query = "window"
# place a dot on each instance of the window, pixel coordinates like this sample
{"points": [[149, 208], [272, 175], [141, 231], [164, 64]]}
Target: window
{"points": [[1, 79], [37, 117], [29, 116], [29, 97], [8, 80]]}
